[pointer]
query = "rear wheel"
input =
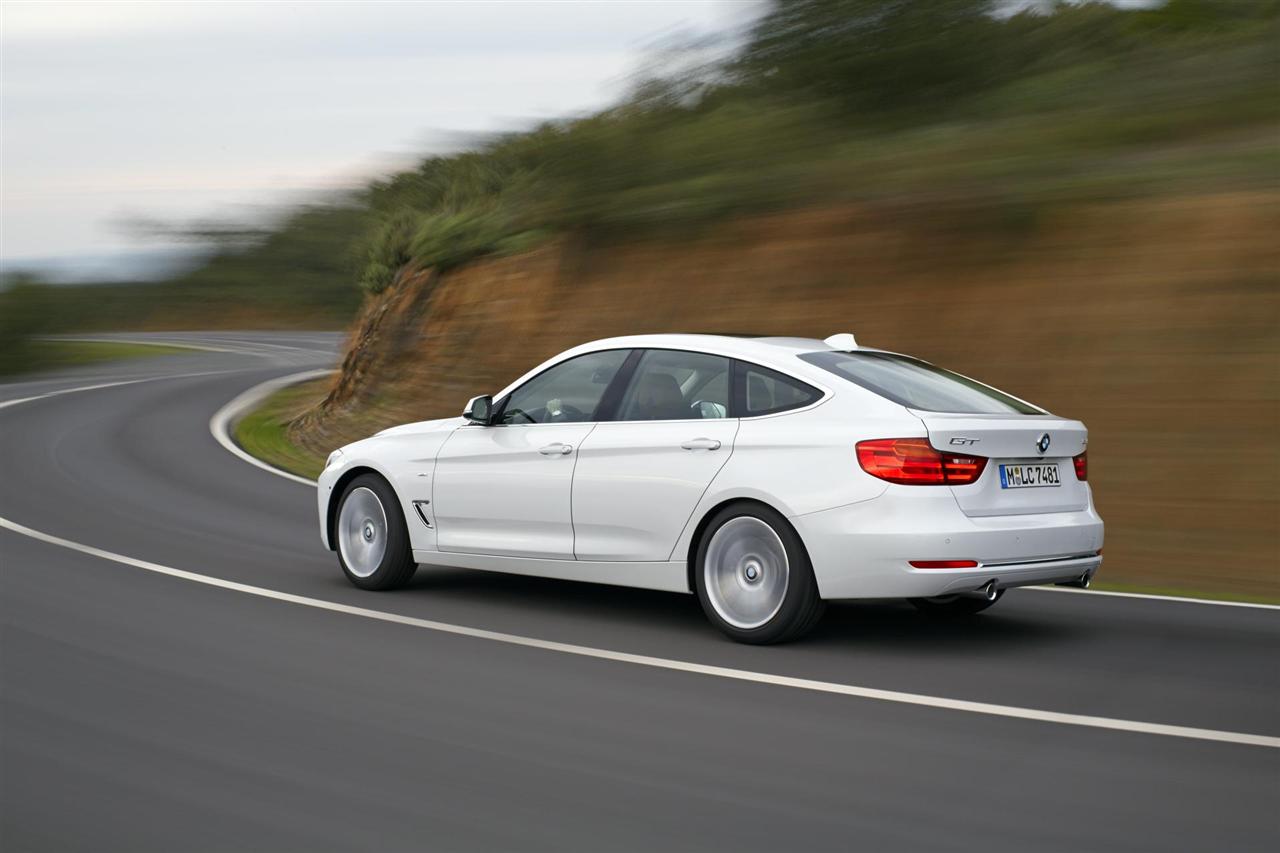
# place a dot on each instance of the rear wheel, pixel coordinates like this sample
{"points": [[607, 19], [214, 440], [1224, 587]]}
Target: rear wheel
{"points": [[955, 605], [753, 576], [373, 542]]}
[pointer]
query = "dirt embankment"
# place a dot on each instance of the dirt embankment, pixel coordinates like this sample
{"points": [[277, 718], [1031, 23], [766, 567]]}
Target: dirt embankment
{"points": [[1157, 322]]}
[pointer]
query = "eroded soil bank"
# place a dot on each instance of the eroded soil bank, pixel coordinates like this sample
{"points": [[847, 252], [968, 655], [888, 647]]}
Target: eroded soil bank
{"points": [[1155, 321]]}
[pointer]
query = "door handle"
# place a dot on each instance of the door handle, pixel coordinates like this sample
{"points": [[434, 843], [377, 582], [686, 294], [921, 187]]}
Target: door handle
{"points": [[556, 449], [701, 444]]}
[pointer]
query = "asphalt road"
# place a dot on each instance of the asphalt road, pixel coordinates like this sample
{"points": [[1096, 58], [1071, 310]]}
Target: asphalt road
{"points": [[144, 711]]}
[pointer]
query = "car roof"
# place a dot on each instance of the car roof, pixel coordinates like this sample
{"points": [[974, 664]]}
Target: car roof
{"points": [[743, 346], [778, 352]]}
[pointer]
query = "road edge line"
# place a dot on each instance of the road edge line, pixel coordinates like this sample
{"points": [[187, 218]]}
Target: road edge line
{"points": [[228, 413], [223, 419], [220, 434], [113, 384], [1115, 593], [669, 664]]}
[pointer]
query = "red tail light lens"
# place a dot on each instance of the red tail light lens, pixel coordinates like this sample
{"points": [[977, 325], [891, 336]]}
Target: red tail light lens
{"points": [[1082, 466], [912, 462]]}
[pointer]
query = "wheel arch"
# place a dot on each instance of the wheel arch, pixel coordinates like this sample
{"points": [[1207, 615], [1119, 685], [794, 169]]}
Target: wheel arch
{"points": [[705, 521], [335, 495]]}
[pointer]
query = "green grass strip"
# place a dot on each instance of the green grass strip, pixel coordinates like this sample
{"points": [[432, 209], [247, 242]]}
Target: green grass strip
{"points": [[264, 431]]}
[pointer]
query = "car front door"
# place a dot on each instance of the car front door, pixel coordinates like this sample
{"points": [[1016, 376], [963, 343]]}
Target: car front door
{"points": [[640, 476], [505, 489]]}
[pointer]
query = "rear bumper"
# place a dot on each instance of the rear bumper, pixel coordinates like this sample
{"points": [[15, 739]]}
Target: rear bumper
{"points": [[930, 582], [862, 550]]}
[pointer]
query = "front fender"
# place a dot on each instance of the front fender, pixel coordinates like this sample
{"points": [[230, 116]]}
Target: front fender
{"points": [[333, 480]]}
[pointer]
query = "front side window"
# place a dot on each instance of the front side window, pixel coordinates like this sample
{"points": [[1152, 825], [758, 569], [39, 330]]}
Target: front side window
{"points": [[919, 385], [766, 392], [570, 392], [673, 385]]}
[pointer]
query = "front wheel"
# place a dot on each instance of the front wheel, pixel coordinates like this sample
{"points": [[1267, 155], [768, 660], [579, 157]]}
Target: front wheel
{"points": [[373, 541], [753, 576]]}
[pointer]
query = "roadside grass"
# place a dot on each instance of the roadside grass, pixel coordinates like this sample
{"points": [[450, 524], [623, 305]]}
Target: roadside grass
{"points": [[50, 355], [263, 432]]}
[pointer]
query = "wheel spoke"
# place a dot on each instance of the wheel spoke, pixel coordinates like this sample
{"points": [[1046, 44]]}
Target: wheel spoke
{"points": [[362, 532], [746, 572]]}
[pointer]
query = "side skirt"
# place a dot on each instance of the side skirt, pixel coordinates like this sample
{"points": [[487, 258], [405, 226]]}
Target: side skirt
{"points": [[665, 576]]}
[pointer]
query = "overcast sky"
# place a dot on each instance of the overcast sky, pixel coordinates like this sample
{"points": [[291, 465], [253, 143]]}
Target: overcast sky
{"points": [[112, 111]]}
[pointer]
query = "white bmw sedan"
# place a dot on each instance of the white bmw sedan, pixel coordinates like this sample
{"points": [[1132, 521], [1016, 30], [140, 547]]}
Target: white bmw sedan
{"points": [[764, 475]]}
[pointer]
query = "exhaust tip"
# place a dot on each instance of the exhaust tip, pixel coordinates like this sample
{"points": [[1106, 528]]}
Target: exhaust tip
{"points": [[990, 592], [1081, 582]]}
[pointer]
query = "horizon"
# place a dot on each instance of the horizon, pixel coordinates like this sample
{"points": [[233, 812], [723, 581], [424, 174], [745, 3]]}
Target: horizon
{"points": [[95, 141]]}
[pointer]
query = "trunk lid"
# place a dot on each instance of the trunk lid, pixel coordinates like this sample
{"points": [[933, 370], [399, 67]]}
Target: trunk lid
{"points": [[1014, 442]]}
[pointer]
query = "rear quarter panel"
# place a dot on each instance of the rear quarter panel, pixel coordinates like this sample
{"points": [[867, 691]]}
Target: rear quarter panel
{"points": [[802, 462]]}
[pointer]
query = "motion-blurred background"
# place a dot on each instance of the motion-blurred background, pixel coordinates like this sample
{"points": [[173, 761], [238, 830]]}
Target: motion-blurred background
{"points": [[1078, 202]]}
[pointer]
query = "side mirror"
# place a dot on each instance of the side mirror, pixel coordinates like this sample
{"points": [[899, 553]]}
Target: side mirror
{"points": [[479, 410]]}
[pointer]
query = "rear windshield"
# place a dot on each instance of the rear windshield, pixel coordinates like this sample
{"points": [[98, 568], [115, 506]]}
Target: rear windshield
{"points": [[919, 385]]}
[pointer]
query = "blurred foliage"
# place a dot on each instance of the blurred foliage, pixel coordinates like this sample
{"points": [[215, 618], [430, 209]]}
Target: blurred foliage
{"points": [[943, 102], [25, 311], [298, 273], [951, 105]]}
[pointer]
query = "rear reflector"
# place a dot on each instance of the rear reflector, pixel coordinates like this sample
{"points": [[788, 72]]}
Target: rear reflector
{"points": [[913, 462], [1082, 466], [944, 564]]}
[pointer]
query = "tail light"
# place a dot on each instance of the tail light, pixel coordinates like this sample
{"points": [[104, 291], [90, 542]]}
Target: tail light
{"points": [[1082, 466], [944, 564], [913, 462]]}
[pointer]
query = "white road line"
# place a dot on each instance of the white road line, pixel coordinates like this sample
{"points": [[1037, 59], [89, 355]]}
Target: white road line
{"points": [[7, 403], [220, 426], [152, 342], [986, 708], [247, 399], [1117, 594], [220, 423], [206, 344]]}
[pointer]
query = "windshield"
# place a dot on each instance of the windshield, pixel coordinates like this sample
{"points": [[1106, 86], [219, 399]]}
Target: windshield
{"points": [[919, 385]]}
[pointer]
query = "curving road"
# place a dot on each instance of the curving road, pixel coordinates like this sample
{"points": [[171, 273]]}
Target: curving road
{"points": [[142, 710]]}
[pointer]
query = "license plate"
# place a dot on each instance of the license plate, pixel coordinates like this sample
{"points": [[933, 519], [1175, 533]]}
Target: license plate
{"points": [[1029, 476]]}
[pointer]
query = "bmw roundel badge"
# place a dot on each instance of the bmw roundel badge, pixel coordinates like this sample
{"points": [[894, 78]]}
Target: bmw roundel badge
{"points": [[1043, 444]]}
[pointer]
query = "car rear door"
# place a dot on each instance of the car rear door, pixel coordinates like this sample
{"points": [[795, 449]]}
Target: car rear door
{"points": [[640, 476]]}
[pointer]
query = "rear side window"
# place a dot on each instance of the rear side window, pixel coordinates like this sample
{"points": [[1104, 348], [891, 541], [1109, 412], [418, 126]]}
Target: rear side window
{"points": [[673, 385], [761, 391], [919, 385]]}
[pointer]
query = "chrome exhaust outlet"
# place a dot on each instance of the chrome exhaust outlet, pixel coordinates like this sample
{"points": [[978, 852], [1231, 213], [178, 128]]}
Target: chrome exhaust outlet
{"points": [[1081, 582], [989, 592]]}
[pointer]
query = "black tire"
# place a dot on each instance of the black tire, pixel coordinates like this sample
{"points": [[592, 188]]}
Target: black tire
{"points": [[955, 606], [396, 565], [800, 607]]}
